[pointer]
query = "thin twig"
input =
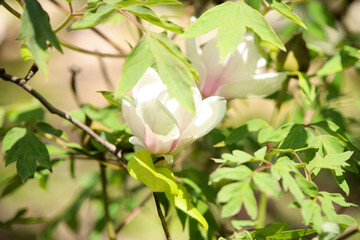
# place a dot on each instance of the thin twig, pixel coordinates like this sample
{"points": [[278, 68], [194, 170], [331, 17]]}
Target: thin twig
{"points": [[111, 42], [105, 74], [11, 10], [109, 224], [22, 83], [134, 212], [161, 216], [78, 49], [350, 231]]}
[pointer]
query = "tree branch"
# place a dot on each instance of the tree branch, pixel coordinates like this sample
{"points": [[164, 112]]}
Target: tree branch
{"points": [[22, 83], [161, 216]]}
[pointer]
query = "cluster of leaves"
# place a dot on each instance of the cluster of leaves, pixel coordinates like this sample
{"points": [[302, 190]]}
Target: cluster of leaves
{"points": [[281, 161]]}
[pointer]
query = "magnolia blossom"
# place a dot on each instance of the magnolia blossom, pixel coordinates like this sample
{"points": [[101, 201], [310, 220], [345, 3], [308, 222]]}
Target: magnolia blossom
{"points": [[238, 76], [160, 124]]}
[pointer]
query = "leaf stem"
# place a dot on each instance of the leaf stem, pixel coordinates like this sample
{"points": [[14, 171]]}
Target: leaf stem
{"points": [[306, 170], [11, 10], [161, 216], [133, 20], [109, 224]]}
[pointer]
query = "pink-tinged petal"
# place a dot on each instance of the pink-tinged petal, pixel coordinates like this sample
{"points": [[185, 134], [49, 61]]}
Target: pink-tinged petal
{"points": [[255, 87], [209, 113], [161, 128], [149, 87], [134, 120], [194, 53]]}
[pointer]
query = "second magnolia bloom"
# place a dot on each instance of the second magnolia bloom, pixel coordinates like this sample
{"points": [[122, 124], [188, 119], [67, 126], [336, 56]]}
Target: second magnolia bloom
{"points": [[238, 76], [160, 124]]}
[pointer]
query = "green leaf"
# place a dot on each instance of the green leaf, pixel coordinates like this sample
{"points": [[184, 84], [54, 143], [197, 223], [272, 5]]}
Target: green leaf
{"points": [[295, 139], [47, 128], [307, 89], [182, 202], [149, 15], [260, 154], [235, 195], [237, 157], [309, 188], [25, 52], [286, 11], [240, 224], [239, 173], [282, 170], [35, 27], [292, 234], [331, 161], [94, 16], [173, 67], [141, 167], [337, 198], [26, 151], [311, 211], [12, 137], [136, 63], [125, 3], [174, 73], [110, 97], [281, 133], [338, 63], [266, 183], [11, 185], [320, 14], [225, 16]]}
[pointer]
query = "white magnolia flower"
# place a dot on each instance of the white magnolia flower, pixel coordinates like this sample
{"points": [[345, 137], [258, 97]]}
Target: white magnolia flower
{"points": [[238, 76], [160, 124]]}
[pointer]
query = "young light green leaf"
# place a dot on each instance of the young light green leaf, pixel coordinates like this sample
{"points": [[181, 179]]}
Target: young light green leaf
{"points": [[235, 195], [35, 27], [237, 157], [311, 211], [182, 202], [239, 173], [337, 63], [260, 154], [266, 183], [286, 11], [240, 224], [12, 137], [94, 16], [337, 198], [225, 16], [141, 167], [149, 15], [26, 152], [282, 170], [331, 161], [125, 3]]}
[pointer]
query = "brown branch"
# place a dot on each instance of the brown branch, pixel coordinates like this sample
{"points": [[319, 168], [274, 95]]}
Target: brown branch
{"points": [[132, 214], [32, 71], [350, 231], [22, 83], [161, 216], [11, 10]]}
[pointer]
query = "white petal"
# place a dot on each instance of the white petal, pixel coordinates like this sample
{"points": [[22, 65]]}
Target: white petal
{"points": [[208, 115], [161, 128], [148, 87], [134, 120], [194, 53], [257, 86]]}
